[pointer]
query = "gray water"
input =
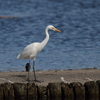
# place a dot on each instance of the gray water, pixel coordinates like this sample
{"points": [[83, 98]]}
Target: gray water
{"points": [[77, 47]]}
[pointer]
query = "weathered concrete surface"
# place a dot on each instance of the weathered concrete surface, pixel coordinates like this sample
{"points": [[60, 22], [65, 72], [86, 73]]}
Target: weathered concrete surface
{"points": [[91, 90], [67, 91], [79, 91], [8, 91], [1, 92], [98, 84], [54, 91], [42, 93], [46, 77], [31, 90], [20, 90], [52, 86]]}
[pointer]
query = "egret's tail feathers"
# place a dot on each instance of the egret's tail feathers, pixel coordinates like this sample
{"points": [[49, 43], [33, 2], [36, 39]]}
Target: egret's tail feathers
{"points": [[18, 57]]}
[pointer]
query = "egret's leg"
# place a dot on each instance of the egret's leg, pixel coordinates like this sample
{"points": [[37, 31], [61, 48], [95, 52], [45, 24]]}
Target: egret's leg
{"points": [[34, 70], [29, 71]]}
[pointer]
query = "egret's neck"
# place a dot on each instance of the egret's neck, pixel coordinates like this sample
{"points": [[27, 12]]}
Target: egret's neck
{"points": [[44, 42], [47, 35]]}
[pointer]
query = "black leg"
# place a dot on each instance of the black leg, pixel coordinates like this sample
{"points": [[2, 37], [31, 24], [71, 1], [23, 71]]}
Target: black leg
{"points": [[29, 71], [34, 70]]}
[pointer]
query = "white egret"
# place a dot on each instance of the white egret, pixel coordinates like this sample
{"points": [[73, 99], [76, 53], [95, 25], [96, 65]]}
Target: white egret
{"points": [[31, 51]]}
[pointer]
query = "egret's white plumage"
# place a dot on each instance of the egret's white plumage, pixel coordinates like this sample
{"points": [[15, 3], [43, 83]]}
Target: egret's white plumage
{"points": [[32, 49], [29, 51]]}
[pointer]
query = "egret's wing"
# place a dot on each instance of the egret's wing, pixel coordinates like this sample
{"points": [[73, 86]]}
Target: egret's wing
{"points": [[29, 52]]}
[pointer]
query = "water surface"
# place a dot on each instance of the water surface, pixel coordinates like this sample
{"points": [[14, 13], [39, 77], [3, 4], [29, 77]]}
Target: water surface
{"points": [[77, 47]]}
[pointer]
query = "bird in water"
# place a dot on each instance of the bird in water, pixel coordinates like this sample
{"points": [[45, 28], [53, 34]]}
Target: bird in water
{"points": [[31, 50]]}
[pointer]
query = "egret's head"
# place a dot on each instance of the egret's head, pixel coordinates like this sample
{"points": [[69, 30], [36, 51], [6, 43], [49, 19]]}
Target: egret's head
{"points": [[51, 27]]}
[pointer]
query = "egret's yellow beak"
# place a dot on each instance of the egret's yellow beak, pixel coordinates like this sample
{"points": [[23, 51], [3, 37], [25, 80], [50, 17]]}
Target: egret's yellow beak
{"points": [[56, 30]]}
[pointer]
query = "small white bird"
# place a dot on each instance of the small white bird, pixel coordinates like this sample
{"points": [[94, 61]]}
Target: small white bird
{"points": [[31, 51]]}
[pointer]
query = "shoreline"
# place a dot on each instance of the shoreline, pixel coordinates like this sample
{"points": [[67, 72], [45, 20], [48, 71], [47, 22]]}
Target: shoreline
{"points": [[51, 76], [55, 84]]}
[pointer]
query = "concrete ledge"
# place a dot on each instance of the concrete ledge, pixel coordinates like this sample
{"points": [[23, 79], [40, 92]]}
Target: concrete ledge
{"points": [[73, 91]]}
